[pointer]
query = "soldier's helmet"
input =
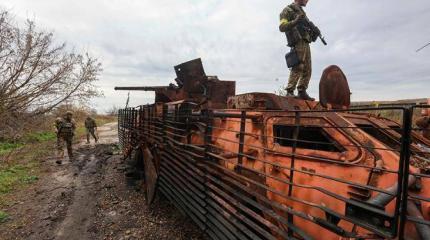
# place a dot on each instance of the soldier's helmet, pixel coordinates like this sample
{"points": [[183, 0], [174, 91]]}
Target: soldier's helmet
{"points": [[58, 120], [68, 115]]}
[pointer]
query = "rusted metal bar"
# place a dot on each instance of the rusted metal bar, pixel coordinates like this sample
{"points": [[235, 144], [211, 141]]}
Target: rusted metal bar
{"points": [[219, 228], [402, 194], [241, 139], [188, 194], [135, 123], [149, 123], [195, 180], [223, 217], [383, 199], [195, 184], [211, 168], [153, 88], [119, 129], [294, 149], [164, 116], [152, 117], [259, 220], [256, 205], [311, 158], [180, 202], [309, 173], [422, 229], [208, 115], [219, 114], [230, 207], [188, 124]]}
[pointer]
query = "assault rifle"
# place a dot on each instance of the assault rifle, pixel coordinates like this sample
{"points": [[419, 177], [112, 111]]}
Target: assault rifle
{"points": [[307, 26]]}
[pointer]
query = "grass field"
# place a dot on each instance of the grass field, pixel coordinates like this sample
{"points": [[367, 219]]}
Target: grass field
{"points": [[7, 147], [17, 174]]}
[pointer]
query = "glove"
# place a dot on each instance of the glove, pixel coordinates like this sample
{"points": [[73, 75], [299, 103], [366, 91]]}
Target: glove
{"points": [[299, 17]]}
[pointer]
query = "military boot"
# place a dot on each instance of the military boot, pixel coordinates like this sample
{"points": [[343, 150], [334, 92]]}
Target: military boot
{"points": [[304, 95], [290, 93]]}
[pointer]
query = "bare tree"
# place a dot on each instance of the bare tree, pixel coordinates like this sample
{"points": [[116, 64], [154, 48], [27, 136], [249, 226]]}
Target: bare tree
{"points": [[36, 74]]}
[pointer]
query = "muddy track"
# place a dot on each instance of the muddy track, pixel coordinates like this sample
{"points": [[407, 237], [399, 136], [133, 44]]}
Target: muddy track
{"points": [[87, 198], [84, 191]]}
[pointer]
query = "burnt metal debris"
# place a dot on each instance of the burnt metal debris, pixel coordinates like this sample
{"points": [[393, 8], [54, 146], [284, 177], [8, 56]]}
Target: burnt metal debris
{"points": [[262, 166], [334, 89]]}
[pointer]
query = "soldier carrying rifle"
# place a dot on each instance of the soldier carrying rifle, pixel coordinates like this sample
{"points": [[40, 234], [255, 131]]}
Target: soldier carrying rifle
{"points": [[91, 128], [300, 32], [65, 130]]}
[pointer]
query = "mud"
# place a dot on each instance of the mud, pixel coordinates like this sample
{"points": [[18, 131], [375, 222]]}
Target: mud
{"points": [[88, 198]]}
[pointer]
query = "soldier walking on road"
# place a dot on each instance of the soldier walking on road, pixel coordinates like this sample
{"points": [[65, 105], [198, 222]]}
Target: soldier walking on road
{"points": [[91, 127], [60, 150], [300, 33], [65, 130]]}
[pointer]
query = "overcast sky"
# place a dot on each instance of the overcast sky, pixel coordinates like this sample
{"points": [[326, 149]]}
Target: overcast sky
{"points": [[139, 42]]}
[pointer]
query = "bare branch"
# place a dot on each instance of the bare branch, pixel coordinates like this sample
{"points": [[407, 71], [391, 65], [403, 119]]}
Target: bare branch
{"points": [[37, 75]]}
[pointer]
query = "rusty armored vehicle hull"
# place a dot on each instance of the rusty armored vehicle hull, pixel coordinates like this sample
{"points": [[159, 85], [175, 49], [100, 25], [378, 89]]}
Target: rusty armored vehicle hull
{"points": [[262, 166]]}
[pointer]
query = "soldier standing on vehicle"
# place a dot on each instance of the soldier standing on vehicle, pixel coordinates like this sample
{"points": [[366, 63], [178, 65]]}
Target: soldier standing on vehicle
{"points": [[65, 129], [300, 33], [91, 127]]}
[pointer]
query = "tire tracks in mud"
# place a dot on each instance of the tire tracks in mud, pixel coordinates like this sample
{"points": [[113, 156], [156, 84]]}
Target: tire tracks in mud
{"points": [[81, 212]]}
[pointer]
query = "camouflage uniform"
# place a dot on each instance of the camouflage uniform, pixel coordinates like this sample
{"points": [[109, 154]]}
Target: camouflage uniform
{"points": [[301, 74], [65, 132], [424, 124], [90, 125]]}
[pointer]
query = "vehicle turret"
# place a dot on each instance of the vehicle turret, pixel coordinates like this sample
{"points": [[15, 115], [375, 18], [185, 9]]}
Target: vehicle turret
{"points": [[192, 84]]}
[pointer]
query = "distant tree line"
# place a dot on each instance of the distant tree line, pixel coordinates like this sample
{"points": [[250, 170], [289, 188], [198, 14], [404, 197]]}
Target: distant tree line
{"points": [[37, 74]]}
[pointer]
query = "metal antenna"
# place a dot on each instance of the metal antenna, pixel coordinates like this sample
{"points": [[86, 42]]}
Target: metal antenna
{"points": [[428, 44], [128, 100]]}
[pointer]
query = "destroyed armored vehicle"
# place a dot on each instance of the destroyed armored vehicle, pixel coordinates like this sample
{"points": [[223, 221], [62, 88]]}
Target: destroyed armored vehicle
{"points": [[263, 166]]}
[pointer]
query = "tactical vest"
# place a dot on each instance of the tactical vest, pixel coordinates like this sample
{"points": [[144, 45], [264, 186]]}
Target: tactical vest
{"points": [[297, 33], [66, 128]]}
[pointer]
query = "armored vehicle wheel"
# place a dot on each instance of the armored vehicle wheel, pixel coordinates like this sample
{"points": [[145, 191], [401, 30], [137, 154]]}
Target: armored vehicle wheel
{"points": [[151, 175]]}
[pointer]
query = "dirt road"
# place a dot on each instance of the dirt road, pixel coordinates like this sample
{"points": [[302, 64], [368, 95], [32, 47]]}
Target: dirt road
{"points": [[88, 199]]}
